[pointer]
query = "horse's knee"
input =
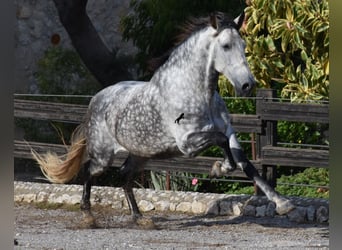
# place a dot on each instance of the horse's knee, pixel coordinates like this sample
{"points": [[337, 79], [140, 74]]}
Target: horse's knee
{"points": [[98, 165], [96, 170], [219, 169]]}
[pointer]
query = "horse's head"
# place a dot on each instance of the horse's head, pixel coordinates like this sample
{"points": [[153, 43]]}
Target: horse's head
{"points": [[229, 53]]}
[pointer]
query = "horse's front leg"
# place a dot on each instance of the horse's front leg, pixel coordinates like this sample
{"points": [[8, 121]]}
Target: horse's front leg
{"points": [[198, 141], [283, 205]]}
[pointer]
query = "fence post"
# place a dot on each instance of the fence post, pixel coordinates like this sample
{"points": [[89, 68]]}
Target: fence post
{"points": [[268, 136]]}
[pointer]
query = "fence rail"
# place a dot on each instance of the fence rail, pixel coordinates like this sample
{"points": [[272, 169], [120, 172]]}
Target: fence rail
{"points": [[262, 124]]}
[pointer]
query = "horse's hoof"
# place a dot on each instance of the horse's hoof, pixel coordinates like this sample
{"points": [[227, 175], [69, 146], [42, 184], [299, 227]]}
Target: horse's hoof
{"points": [[88, 220], [216, 170], [283, 206], [145, 223]]}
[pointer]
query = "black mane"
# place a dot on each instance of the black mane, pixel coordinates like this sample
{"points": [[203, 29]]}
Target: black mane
{"points": [[192, 25]]}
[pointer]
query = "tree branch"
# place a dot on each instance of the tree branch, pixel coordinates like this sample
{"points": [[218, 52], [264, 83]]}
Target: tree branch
{"points": [[96, 56]]}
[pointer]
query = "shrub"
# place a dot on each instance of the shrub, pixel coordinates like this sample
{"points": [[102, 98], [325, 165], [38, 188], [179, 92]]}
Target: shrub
{"points": [[288, 46]]}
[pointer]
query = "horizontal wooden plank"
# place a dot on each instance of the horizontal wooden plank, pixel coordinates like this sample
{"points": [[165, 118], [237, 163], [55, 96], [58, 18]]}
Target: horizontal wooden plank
{"points": [[197, 165], [246, 123], [295, 157], [278, 111], [72, 113]]}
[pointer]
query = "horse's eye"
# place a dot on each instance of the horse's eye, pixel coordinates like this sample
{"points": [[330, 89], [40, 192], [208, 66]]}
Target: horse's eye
{"points": [[226, 46]]}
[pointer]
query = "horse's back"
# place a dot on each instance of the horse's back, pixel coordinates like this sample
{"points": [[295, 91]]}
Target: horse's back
{"points": [[116, 93]]}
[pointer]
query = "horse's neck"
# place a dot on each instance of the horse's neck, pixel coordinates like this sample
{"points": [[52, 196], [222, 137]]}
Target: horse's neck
{"points": [[189, 68]]}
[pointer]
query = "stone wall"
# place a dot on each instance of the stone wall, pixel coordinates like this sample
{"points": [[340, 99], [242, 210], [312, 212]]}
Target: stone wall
{"points": [[36, 23], [307, 210]]}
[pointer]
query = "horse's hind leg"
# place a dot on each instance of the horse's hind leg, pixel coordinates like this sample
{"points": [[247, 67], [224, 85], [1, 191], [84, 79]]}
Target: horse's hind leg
{"points": [[128, 171], [85, 202], [85, 206], [91, 168]]}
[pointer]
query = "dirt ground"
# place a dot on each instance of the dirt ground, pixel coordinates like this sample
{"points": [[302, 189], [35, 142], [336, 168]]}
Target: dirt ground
{"points": [[37, 228]]}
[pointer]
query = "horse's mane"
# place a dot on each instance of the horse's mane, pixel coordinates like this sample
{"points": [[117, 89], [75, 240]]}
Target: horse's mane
{"points": [[190, 26]]}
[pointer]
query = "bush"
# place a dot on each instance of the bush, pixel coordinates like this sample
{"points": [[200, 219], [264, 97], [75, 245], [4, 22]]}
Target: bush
{"points": [[310, 176], [288, 47], [61, 71]]}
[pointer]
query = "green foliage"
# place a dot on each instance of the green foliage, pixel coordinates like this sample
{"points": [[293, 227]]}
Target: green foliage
{"points": [[310, 176], [303, 133], [288, 46], [153, 24], [61, 71], [179, 181]]}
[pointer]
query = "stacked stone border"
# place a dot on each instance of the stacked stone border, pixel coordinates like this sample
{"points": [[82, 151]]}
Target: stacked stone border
{"points": [[308, 210]]}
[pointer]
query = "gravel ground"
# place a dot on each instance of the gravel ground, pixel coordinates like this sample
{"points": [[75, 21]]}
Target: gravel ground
{"points": [[62, 229]]}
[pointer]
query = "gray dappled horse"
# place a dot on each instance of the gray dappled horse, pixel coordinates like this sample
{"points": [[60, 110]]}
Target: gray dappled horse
{"points": [[179, 111]]}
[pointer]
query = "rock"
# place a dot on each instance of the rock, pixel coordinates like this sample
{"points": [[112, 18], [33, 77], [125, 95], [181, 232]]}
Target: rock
{"points": [[198, 207], [184, 207], [310, 213], [75, 199], [213, 208], [297, 215], [271, 209], [237, 208], [64, 198], [226, 208], [260, 211], [29, 198], [162, 205], [117, 205], [173, 207], [145, 206], [249, 210], [322, 214]]}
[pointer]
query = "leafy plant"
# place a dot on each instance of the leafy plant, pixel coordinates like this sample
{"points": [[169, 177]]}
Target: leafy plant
{"points": [[310, 176], [61, 71], [288, 46], [179, 181]]}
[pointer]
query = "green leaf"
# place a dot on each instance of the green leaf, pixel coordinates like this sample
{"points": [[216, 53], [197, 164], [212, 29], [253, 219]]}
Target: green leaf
{"points": [[285, 41], [323, 27], [303, 55], [270, 44], [278, 63]]}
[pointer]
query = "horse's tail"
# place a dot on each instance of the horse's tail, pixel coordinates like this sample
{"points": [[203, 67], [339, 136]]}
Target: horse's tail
{"points": [[61, 169]]}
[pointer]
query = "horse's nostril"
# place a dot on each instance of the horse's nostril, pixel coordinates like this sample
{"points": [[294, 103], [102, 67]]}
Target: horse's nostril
{"points": [[245, 87]]}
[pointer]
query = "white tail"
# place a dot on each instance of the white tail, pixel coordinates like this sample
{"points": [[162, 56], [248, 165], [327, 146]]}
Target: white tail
{"points": [[61, 169]]}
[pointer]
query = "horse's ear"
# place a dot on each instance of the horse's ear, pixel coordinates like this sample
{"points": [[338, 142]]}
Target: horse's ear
{"points": [[213, 20], [239, 20]]}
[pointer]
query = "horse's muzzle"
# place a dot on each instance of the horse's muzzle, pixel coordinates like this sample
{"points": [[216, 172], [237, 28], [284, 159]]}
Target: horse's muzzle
{"points": [[247, 88]]}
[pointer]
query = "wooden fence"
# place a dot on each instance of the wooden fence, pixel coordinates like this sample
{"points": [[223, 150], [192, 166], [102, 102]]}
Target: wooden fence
{"points": [[268, 154]]}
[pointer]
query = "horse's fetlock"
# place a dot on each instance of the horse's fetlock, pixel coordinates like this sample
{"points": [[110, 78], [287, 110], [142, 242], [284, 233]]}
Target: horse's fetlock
{"points": [[227, 167], [242, 165]]}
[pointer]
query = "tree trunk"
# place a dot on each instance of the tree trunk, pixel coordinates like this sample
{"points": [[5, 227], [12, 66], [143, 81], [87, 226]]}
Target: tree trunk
{"points": [[96, 56]]}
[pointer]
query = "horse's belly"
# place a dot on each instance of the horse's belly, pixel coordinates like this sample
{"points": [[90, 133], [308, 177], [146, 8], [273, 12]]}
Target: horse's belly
{"points": [[139, 128], [143, 137]]}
